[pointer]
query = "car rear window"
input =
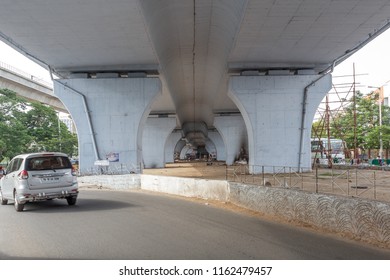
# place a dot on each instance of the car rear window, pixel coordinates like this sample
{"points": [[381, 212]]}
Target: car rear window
{"points": [[48, 163]]}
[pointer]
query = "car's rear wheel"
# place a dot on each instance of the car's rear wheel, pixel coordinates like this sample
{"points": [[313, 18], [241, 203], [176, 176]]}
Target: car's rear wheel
{"points": [[71, 200], [3, 200], [18, 206]]}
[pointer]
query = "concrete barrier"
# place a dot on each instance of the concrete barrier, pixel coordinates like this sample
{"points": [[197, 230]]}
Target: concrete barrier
{"points": [[353, 217], [127, 181], [188, 187]]}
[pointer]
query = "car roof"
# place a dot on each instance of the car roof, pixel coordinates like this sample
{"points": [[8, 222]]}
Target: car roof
{"points": [[41, 154]]}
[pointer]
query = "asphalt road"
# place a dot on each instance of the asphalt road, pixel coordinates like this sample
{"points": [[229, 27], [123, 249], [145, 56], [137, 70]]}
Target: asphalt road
{"points": [[117, 225]]}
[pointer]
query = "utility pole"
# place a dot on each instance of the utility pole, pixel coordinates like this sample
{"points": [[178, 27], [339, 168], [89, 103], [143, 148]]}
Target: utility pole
{"points": [[59, 131], [327, 123], [355, 152], [380, 92], [380, 99]]}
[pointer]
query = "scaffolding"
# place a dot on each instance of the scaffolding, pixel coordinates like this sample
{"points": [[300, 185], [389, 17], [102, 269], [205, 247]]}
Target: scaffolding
{"points": [[341, 96]]}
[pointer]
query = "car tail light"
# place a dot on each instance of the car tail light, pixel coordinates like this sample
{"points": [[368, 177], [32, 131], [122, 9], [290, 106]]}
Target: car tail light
{"points": [[23, 174], [74, 173]]}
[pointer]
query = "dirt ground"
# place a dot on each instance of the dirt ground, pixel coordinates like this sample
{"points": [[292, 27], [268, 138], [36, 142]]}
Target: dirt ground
{"points": [[363, 183], [216, 170]]}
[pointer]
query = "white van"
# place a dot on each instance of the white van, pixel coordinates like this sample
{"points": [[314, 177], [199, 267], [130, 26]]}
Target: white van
{"points": [[37, 177]]}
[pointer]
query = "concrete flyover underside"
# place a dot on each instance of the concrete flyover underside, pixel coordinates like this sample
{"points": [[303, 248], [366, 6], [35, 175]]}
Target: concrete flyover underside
{"points": [[266, 62]]}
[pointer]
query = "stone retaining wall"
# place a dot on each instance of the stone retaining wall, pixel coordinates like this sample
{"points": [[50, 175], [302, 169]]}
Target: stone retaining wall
{"points": [[363, 219]]}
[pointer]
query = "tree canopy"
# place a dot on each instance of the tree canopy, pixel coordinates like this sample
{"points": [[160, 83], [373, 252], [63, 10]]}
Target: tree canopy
{"points": [[27, 127], [367, 129]]}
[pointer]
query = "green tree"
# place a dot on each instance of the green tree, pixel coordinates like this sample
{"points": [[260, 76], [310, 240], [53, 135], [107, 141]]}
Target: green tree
{"points": [[367, 122], [47, 132], [318, 129], [31, 127], [373, 137], [13, 135]]}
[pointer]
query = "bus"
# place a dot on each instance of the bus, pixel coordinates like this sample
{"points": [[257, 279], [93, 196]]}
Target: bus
{"points": [[320, 150]]}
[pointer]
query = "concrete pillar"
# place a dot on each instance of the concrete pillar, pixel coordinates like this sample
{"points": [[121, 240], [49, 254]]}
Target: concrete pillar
{"points": [[219, 145], [210, 147], [170, 146], [234, 135], [154, 139], [185, 149], [109, 114], [179, 148], [272, 107]]}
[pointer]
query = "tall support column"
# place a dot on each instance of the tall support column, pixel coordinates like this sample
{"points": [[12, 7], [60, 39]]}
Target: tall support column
{"points": [[180, 148], [210, 147], [155, 135], [234, 135], [272, 108], [109, 114], [170, 146], [185, 149], [219, 145]]}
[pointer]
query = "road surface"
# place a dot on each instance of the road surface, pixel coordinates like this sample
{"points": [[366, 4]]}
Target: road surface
{"points": [[135, 225]]}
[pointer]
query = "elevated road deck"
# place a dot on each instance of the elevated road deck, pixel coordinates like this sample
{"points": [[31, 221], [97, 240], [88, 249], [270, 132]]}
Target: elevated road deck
{"points": [[29, 86]]}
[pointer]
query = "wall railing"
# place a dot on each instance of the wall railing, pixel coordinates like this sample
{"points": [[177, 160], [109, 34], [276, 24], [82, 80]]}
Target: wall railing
{"points": [[25, 75], [355, 182]]}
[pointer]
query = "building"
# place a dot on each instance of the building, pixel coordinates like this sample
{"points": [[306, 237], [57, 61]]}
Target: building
{"points": [[67, 120]]}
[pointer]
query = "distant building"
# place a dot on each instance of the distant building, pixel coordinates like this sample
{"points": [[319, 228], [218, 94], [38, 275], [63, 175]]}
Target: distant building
{"points": [[67, 120], [386, 93]]}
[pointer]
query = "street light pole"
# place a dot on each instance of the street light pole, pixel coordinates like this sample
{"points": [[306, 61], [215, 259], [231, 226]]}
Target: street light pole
{"points": [[355, 152], [380, 100], [380, 122], [59, 130]]}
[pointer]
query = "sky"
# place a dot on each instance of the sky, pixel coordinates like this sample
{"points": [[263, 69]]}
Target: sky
{"points": [[372, 64], [13, 58]]}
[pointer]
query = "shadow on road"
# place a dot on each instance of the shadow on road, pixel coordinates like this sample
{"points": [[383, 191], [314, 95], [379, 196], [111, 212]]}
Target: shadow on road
{"points": [[82, 205]]}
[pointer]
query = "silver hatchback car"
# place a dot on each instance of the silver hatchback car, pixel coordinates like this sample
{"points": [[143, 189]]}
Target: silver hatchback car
{"points": [[37, 177]]}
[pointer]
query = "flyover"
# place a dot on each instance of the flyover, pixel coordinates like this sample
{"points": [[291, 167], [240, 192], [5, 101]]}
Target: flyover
{"points": [[29, 86], [228, 76]]}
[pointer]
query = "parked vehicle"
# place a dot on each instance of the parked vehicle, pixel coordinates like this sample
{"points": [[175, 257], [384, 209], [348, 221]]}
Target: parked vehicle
{"points": [[321, 149], [37, 177]]}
